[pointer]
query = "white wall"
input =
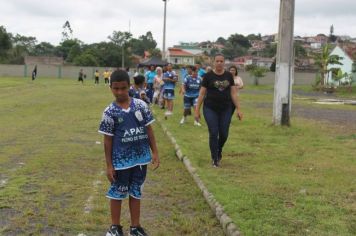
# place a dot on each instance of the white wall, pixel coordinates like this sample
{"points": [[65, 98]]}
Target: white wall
{"points": [[346, 63]]}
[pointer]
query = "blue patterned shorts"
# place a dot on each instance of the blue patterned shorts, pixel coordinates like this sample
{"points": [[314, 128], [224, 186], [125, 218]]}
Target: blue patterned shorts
{"points": [[189, 102], [168, 94], [128, 182]]}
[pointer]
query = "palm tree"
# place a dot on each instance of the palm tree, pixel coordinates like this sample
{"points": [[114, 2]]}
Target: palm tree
{"points": [[323, 60]]}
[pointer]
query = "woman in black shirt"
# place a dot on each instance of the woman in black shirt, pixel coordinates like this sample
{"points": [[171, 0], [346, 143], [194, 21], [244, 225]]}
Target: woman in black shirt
{"points": [[218, 91]]}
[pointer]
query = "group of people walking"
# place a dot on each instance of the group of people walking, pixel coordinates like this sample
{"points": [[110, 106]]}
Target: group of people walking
{"points": [[129, 141]]}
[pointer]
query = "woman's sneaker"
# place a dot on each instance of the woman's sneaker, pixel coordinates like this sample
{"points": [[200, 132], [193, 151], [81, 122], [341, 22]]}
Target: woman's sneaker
{"points": [[115, 230], [215, 163], [196, 123], [137, 231], [182, 121]]}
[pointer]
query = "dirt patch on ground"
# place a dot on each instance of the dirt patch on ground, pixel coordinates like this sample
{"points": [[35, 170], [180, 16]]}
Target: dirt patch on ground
{"points": [[6, 214], [342, 118]]}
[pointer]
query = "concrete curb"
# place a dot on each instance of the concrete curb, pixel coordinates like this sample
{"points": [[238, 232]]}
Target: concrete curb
{"points": [[229, 227]]}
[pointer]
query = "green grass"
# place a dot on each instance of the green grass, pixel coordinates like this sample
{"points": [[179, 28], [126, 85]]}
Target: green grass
{"points": [[51, 165], [277, 180]]}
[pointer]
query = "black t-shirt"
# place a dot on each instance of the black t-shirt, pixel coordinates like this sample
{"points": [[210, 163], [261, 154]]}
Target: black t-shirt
{"points": [[218, 90]]}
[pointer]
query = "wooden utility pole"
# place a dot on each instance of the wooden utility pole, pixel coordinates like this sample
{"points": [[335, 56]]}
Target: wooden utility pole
{"points": [[284, 65]]}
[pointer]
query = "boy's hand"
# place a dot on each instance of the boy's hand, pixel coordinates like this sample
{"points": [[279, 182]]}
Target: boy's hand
{"points": [[239, 114], [155, 161], [111, 174]]}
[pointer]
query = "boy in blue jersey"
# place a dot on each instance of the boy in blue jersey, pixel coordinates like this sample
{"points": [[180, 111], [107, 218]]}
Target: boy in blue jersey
{"points": [[170, 79], [138, 90], [190, 89], [128, 142]]}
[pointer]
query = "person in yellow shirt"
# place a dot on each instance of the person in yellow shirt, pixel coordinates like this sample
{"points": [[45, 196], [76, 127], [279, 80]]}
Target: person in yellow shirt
{"points": [[106, 76], [96, 75]]}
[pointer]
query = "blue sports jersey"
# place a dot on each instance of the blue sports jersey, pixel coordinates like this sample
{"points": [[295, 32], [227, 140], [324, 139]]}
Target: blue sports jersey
{"points": [[169, 84], [150, 76], [136, 93], [133, 92], [201, 72], [128, 128], [192, 86]]}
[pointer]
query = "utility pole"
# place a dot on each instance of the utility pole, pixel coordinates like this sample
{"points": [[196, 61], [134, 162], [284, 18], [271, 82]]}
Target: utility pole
{"points": [[123, 56], [164, 31], [284, 65]]}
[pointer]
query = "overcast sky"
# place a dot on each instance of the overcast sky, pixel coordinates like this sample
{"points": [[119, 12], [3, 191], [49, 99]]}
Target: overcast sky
{"points": [[187, 20]]}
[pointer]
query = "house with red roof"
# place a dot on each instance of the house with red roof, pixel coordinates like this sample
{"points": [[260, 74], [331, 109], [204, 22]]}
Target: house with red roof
{"points": [[178, 56]]}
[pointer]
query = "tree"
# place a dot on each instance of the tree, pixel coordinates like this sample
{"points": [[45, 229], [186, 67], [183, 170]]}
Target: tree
{"points": [[231, 51], [270, 50], [65, 46], [299, 50], [67, 32], [256, 72], [332, 37], [221, 41], [5, 43], [323, 60], [121, 39], [239, 39], [254, 37], [22, 46], [86, 59], [44, 49], [106, 53], [155, 52], [142, 44]]}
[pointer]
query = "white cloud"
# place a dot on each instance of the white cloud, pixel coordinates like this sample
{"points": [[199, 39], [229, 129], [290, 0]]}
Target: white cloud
{"points": [[187, 20]]}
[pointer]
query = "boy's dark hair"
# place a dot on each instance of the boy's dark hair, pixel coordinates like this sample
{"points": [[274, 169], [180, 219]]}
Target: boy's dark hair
{"points": [[119, 76], [193, 68], [139, 79]]}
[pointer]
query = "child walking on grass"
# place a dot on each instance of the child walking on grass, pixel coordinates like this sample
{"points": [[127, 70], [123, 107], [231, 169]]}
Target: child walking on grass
{"points": [[128, 142]]}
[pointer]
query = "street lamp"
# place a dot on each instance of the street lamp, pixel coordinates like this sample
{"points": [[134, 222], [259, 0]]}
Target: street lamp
{"points": [[164, 31]]}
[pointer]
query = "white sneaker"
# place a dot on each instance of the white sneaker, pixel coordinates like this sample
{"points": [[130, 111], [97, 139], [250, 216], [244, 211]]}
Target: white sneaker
{"points": [[182, 121], [197, 123]]}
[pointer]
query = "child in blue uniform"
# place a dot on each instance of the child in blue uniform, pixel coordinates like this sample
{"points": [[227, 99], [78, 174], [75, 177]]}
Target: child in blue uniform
{"points": [[190, 89], [170, 79], [128, 142], [138, 90]]}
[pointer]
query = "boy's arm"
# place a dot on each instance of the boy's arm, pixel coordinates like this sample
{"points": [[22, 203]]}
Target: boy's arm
{"points": [[183, 89], [110, 171], [202, 93], [153, 146]]}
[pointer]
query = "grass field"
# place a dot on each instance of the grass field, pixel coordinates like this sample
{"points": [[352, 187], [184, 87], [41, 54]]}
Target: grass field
{"points": [[277, 180], [273, 181], [52, 179]]}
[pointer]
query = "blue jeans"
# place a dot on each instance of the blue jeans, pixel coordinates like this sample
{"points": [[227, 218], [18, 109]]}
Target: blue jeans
{"points": [[218, 122], [150, 91]]}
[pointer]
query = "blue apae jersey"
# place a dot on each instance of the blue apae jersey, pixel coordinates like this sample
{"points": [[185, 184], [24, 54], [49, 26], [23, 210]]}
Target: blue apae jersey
{"points": [[169, 84], [192, 86], [128, 128]]}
